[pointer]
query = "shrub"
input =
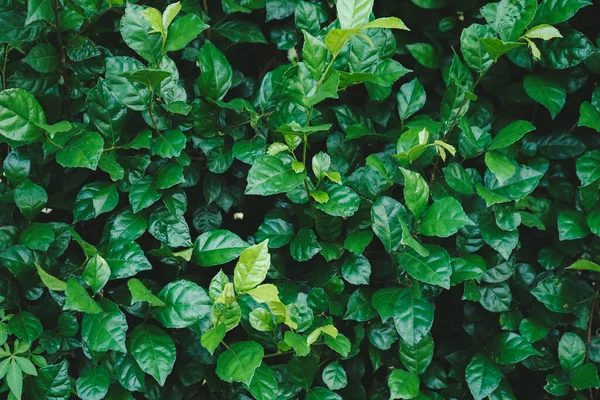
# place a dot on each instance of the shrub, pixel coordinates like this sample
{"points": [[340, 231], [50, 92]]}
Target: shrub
{"points": [[281, 199]]}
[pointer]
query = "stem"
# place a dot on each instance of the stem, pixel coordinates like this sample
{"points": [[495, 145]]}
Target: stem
{"points": [[205, 6], [589, 333], [149, 108], [453, 124], [111, 148], [225, 344], [250, 121], [52, 142], [279, 353], [61, 47], [6, 51]]}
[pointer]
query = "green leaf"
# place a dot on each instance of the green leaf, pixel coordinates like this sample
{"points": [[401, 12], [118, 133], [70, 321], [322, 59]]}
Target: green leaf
{"points": [[14, 379], [502, 241], [354, 13], [96, 273], [425, 54], [483, 376], [185, 304], [212, 338], [417, 358], [93, 383], [26, 326], [239, 362], [252, 267], [277, 231], [500, 165], [20, 116], [474, 52], [356, 270], [125, 259], [143, 193], [82, 151], [139, 293], [42, 58], [444, 218], [385, 213], [168, 144], [314, 55], [183, 30], [384, 301], [135, 30], [557, 294], [38, 236], [510, 348], [585, 377], [566, 52], [95, 199], [269, 175], [589, 116], [50, 281], [497, 48], [411, 98], [556, 11], [304, 246], [52, 382], [585, 265], [264, 384], [548, 92], [297, 342], [78, 299], [588, 167], [216, 73], [340, 344], [543, 31], [39, 10], [341, 201], [572, 225], [511, 134], [511, 17], [106, 330], [217, 247], [241, 32], [147, 77], [416, 192], [403, 384], [153, 350], [334, 376], [521, 184], [413, 317], [30, 198], [434, 269], [571, 352]]}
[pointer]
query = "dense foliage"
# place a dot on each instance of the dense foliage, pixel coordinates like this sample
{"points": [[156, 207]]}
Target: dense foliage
{"points": [[298, 199]]}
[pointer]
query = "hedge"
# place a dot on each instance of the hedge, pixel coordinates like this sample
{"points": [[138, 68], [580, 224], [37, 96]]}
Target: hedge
{"points": [[299, 199]]}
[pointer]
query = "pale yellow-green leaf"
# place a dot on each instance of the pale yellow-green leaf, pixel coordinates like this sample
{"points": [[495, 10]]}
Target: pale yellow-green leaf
{"points": [[543, 31], [252, 267]]}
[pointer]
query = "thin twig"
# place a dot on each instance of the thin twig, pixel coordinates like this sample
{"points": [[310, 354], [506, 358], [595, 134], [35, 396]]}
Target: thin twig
{"points": [[61, 47]]}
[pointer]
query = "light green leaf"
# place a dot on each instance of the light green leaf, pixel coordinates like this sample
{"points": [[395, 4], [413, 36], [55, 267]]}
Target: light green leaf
{"points": [[252, 267], [139, 292], [239, 362]]}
